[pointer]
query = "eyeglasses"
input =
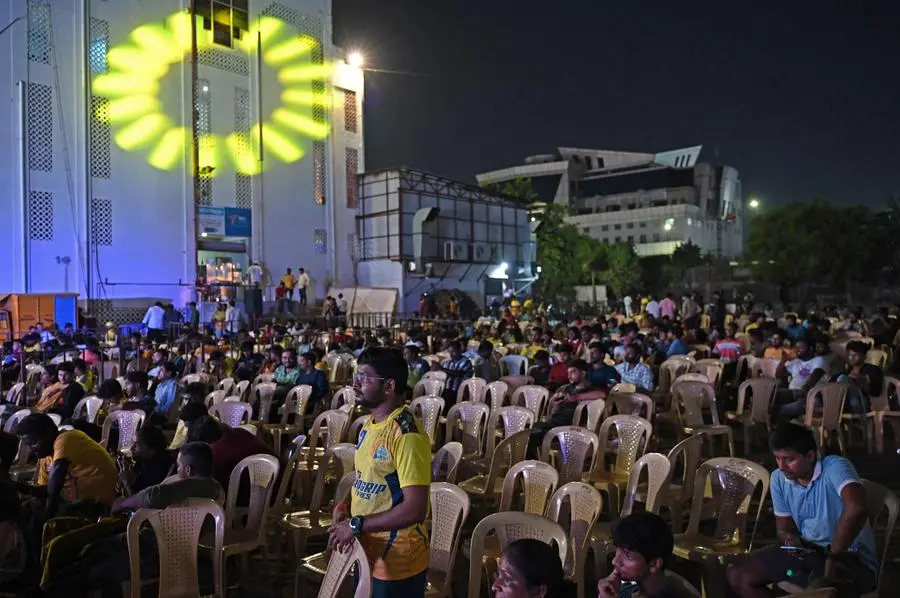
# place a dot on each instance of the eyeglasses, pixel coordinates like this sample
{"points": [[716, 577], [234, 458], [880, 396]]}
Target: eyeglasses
{"points": [[362, 378]]}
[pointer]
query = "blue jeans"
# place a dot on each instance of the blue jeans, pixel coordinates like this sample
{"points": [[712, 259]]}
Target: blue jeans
{"points": [[411, 587]]}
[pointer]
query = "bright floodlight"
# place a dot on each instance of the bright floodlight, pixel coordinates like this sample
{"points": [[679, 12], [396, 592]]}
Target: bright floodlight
{"points": [[754, 203], [355, 59]]}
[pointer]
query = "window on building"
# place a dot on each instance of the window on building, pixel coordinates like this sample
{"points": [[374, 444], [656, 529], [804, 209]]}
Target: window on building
{"points": [[617, 227], [604, 227], [632, 206], [227, 19], [630, 240], [586, 230], [642, 238], [618, 239], [642, 224], [656, 237], [350, 112], [629, 225]]}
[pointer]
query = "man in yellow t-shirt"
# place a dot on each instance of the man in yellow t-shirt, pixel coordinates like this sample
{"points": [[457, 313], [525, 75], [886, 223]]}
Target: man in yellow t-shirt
{"points": [[389, 501], [72, 468], [290, 281]]}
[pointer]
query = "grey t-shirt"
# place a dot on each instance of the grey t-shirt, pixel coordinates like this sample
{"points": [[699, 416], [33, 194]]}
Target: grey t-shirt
{"points": [[176, 491], [675, 586]]}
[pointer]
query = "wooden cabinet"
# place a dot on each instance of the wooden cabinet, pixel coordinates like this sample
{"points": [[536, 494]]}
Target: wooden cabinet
{"points": [[28, 310]]}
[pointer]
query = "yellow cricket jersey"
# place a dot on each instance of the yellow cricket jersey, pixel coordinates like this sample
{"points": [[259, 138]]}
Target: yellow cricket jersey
{"points": [[391, 455]]}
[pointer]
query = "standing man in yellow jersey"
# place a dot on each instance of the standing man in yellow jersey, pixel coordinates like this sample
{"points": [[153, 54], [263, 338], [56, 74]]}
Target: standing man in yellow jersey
{"points": [[389, 501], [290, 281]]}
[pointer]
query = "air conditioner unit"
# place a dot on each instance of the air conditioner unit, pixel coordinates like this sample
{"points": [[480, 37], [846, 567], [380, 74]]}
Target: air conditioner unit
{"points": [[454, 252]]}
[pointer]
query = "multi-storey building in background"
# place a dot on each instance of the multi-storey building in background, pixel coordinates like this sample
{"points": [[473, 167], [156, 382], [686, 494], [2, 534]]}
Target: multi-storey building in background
{"points": [[655, 202], [104, 193]]}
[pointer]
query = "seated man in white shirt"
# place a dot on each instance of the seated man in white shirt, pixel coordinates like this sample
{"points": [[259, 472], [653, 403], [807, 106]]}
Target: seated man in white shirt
{"points": [[805, 372]]}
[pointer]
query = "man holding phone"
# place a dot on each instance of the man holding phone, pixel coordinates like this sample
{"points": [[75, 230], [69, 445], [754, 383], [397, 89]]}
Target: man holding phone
{"points": [[821, 520]]}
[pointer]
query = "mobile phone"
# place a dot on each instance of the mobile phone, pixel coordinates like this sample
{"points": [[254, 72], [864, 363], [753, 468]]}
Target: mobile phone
{"points": [[798, 548]]}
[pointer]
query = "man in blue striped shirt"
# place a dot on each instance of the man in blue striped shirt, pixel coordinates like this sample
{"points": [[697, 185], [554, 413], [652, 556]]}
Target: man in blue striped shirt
{"points": [[458, 368]]}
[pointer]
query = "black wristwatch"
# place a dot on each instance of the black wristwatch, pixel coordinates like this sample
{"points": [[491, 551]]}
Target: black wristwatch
{"points": [[356, 525]]}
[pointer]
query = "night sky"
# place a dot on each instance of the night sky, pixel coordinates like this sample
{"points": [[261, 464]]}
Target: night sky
{"points": [[802, 97]]}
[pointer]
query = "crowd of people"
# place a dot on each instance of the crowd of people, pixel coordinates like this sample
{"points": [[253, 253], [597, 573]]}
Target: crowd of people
{"points": [[182, 451]]}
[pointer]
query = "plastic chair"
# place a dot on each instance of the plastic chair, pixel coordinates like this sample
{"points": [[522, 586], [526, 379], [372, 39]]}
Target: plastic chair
{"points": [[508, 527], [591, 412], [445, 462], [689, 399], [734, 483], [468, 421], [514, 383], [832, 395], [880, 413], [263, 379], [13, 422], [16, 395], [762, 393], [263, 394], [246, 531], [177, 531], [315, 521], [339, 566], [295, 403], [431, 387], [226, 384], [435, 376], [214, 398], [449, 511], [514, 365], [56, 417], [509, 452], [88, 409], [584, 507], [633, 434], [471, 389], [577, 453], [326, 431], [201, 377], [428, 409], [129, 424], [345, 396], [232, 413], [532, 481], [496, 394], [512, 419], [532, 397]]}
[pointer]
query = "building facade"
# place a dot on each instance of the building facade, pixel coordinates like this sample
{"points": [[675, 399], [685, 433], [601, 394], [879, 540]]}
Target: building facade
{"points": [[654, 202], [106, 195], [420, 233]]}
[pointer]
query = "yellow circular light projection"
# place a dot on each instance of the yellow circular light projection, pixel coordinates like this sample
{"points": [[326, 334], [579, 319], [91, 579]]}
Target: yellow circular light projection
{"points": [[135, 111]]}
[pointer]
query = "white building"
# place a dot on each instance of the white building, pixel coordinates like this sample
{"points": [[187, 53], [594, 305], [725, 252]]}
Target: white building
{"points": [[653, 201], [420, 233], [97, 161]]}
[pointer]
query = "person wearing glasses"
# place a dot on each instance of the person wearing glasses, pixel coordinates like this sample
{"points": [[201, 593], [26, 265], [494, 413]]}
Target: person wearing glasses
{"points": [[388, 505]]}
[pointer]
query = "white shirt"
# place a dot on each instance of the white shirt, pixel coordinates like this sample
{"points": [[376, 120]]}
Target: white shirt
{"points": [[342, 305], [303, 280], [627, 300], [153, 319], [254, 274], [800, 370]]}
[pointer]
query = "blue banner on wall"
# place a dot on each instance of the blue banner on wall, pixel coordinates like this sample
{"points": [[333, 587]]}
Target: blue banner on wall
{"points": [[238, 222]]}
